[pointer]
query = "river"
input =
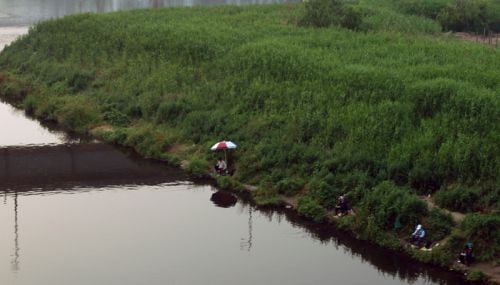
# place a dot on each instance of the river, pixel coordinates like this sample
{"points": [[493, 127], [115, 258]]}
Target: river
{"points": [[76, 211]]}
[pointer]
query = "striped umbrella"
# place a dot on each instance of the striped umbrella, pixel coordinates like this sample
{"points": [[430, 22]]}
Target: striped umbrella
{"points": [[224, 145]]}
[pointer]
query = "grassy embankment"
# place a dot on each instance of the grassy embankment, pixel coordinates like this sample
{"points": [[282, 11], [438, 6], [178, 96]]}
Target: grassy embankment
{"points": [[385, 112]]}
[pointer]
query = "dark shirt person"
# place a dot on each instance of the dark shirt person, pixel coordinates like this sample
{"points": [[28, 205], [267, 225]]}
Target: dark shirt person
{"points": [[342, 207]]}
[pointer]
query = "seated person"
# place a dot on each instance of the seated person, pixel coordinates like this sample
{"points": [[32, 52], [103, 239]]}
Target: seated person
{"points": [[221, 167], [342, 207], [418, 236], [466, 257]]}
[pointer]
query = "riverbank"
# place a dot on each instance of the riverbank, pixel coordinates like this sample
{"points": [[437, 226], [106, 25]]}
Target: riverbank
{"points": [[383, 116]]}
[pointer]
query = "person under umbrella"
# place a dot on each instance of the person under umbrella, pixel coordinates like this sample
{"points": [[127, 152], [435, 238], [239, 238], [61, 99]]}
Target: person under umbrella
{"points": [[222, 167]]}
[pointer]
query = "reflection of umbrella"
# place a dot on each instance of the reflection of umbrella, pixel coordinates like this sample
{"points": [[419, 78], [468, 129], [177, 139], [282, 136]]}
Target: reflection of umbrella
{"points": [[224, 145], [223, 199]]}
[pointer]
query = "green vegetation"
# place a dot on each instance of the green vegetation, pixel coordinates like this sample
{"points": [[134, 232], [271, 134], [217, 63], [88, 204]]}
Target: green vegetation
{"points": [[484, 232], [325, 13], [469, 198], [479, 16], [372, 103]]}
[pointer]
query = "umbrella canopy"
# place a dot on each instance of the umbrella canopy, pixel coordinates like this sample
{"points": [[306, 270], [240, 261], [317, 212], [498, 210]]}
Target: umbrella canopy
{"points": [[223, 145]]}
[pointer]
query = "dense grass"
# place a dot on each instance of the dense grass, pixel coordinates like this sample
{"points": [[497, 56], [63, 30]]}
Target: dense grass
{"points": [[383, 113], [478, 16]]}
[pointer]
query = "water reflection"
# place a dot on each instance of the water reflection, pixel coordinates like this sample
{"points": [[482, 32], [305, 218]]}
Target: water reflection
{"points": [[387, 263], [247, 244], [165, 226], [223, 199], [15, 261], [23, 130], [47, 167]]}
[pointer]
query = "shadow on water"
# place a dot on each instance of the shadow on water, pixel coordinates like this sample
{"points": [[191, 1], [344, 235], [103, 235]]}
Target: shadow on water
{"points": [[66, 166], [387, 262], [223, 199]]}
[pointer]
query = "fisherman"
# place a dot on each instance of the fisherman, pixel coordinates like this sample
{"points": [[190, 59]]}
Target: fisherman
{"points": [[418, 236], [342, 207], [221, 167], [466, 256]]}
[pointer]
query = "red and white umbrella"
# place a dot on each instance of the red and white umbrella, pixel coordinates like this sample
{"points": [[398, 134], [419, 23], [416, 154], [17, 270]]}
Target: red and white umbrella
{"points": [[224, 145]]}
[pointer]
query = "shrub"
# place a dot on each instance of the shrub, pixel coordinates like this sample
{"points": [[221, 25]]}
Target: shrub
{"points": [[325, 13], [78, 114], [438, 224], [427, 8], [14, 90], [428, 97], [266, 194], [458, 198], [79, 81], [476, 276], [311, 208], [289, 186], [386, 19], [470, 15], [229, 183], [198, 167], [116, 118], [484, 232], [388, 202], [171, 109], [118, 135], [325, 193], [438, 256]]}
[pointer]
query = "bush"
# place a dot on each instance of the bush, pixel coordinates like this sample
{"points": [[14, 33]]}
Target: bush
{"points": [[170, 109], [470, 15], [458, 198], [14, 90], [116, 118], [229, 183], [484, 232], [388, 203], [438, 224], [325, 193], [386, 19], [325, 13], [311, 208], [267, 194], [476, 276], [79, 81], [78, 114], [117, 135], [429, 97], [427, 8], [198, 167], [289, 186]]}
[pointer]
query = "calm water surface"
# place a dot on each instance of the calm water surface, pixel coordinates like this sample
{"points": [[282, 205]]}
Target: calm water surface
{"points": [[75, 211]]}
